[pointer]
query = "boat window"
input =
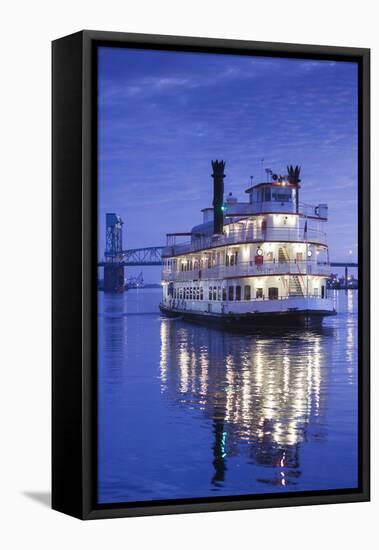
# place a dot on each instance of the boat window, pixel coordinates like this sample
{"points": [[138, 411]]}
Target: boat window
{"points": [[201, 293], [231, 293], [238, 293], [247, 292], [227, 258], [273, 293], [267, 194], [223, 293], [214, 293], [281, 195], [259, 293], [219, 293], [210, 293]]}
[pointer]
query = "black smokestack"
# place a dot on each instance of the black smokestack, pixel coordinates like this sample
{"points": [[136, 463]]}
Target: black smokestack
{"points": [[218, 195]]}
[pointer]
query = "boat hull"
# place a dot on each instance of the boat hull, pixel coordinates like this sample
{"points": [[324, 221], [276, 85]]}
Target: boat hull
{"points": [[252, 321]]}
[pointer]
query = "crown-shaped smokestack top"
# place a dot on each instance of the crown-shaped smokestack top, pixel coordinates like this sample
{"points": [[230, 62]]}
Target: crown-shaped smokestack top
{"points": [[293, 174], [218, 168], [218, 195]]}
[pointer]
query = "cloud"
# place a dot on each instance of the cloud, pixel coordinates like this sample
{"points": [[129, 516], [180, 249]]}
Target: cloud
{"points": [[162, 120]]}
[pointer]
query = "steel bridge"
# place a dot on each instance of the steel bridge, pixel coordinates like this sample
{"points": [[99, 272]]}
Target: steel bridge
{"points": [[152, 256], [116, 258], [149, 256]]}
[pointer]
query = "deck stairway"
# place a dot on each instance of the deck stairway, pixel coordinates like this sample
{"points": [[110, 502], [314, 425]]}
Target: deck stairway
{"points": [[294, 287]]}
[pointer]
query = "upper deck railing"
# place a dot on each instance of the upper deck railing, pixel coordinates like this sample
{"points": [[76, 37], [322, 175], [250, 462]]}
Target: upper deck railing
{"points": [[243, 269], [242, 236]]}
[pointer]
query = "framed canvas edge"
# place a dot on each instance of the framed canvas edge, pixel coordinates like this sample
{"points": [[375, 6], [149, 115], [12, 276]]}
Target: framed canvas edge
{"points": [[89, 252]]}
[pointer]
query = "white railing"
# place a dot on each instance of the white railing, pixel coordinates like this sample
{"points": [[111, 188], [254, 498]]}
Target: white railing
{"points": [[243, 269], [278, 234], [285, 303]]}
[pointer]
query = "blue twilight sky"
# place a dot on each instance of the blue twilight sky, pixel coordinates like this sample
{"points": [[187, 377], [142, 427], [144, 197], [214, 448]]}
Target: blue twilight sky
{"points": [[163, 116]]}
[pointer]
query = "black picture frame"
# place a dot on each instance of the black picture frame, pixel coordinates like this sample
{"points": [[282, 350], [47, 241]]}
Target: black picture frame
{"points": [[74, 332]]}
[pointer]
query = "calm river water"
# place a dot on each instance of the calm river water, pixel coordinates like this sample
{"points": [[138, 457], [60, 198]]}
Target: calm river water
{"points": [[186, 411]]}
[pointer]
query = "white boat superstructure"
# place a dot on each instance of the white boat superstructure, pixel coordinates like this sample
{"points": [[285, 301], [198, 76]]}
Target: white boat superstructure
{"points": [[247, 262]]}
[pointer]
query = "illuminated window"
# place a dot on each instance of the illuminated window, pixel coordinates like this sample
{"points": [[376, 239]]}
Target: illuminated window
{"points": [[231, 293], [273, 293], [247, 292]]}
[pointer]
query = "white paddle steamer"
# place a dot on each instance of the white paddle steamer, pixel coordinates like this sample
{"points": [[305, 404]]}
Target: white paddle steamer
{"points": [[261, 261]]}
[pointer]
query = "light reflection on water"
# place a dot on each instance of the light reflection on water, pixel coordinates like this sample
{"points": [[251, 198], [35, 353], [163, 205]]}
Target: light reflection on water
{"points": [[187, 411], [256, 390]]}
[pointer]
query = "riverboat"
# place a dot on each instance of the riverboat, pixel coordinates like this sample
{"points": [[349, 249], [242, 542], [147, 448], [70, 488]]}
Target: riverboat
{"points": [[263, 261]]}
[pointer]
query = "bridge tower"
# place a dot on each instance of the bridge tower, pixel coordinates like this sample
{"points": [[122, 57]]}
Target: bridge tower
{"points": [[113, 268]]}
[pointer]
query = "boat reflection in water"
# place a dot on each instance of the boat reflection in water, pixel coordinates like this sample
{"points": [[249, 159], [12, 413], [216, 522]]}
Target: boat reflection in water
{"points": [[259, 391], [186, 411]]}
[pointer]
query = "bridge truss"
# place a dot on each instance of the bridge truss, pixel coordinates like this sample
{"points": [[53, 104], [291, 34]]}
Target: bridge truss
{"points": [[149, 256]]}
